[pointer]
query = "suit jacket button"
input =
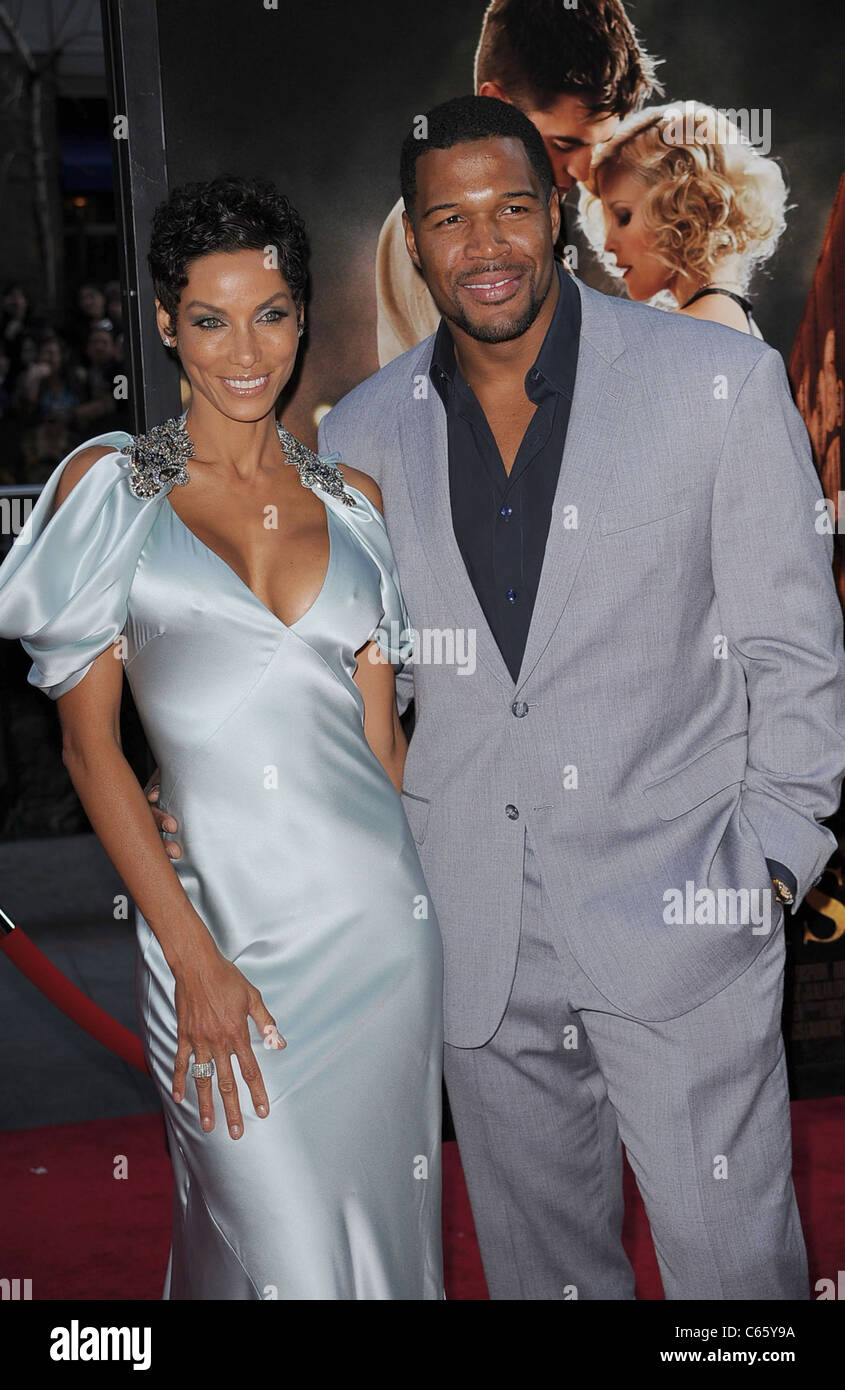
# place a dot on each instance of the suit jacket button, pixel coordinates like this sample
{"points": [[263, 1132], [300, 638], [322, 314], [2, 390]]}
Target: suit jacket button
{"points": [[519, 708], [511, 812]]}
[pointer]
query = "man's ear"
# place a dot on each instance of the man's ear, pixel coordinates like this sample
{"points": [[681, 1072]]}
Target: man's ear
{"points": [[554, 213], [493, 89], [410, 240]]}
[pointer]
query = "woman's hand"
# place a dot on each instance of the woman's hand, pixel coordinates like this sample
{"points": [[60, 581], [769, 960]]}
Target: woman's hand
{"points": [[163, 820], [213, 1002]]}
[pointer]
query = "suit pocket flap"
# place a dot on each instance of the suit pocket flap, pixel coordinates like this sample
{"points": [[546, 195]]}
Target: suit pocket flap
{"points": [[416, 810], [709, 773], [625, 518]]}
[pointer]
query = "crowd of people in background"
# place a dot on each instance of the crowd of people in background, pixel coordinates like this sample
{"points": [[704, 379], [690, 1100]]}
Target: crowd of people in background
{"points": [[61, 380]]}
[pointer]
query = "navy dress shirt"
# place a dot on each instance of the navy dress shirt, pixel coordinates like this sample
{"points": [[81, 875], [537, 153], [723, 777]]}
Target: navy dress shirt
{"points": [[501, 521]]}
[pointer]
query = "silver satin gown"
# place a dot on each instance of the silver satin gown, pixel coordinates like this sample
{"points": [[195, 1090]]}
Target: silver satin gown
{"points": [[298, 858]]}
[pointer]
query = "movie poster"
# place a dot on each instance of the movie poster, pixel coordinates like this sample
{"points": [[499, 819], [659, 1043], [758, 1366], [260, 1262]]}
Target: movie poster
{"points": [[319, 98]]}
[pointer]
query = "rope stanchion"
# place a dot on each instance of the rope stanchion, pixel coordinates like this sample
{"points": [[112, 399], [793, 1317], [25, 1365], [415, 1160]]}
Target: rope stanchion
{"points": [[32, 963]]}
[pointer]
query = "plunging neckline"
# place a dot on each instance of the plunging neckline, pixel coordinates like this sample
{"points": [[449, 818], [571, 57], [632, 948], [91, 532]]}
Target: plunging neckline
{"points": [[288, 627]]}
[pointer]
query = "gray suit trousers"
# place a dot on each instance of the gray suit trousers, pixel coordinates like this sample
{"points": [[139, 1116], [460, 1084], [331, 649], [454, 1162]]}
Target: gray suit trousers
{"points": [[700, 1102]]}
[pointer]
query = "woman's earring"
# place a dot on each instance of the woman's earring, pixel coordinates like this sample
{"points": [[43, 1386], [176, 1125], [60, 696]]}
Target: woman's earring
{"points": [[167, 342], [300, 330]]}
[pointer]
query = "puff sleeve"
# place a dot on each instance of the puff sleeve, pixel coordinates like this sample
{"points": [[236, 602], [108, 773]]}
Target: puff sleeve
{"points": [[64, 586], [393, 632]]}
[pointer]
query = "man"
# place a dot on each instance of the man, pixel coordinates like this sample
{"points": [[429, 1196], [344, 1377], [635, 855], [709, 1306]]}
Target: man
{"points": [[574, 72], [657, 716]]}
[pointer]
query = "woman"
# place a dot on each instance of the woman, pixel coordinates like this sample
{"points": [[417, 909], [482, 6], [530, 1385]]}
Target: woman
{"points": [[686, 209], [242, 579]]}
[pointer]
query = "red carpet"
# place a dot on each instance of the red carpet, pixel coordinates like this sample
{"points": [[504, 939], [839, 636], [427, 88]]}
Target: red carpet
{"points": [[78, 1229]]}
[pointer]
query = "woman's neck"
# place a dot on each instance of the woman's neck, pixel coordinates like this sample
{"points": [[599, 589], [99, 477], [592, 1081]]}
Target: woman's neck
{"points": [[726, 275], [246, 446]]}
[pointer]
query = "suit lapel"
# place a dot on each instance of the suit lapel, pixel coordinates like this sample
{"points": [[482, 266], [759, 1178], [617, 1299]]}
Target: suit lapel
{"points": [[424, 450], [595, 439]]}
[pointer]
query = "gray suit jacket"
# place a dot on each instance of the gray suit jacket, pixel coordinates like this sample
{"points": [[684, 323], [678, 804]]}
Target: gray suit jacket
{"points": [[680, 710]]}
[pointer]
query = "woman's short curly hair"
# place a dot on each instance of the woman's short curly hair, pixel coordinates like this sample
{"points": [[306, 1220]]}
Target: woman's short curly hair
{"points": [[228, 213], [709, 192]]}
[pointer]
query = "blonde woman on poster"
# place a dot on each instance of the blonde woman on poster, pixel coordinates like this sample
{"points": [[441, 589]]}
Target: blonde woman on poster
{"points": [[682, 207]]}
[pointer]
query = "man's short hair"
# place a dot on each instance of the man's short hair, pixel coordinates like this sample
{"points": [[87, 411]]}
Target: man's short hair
{"points": [[538, 50], [469, 118]]}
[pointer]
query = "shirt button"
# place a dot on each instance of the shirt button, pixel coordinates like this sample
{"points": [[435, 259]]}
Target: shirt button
{"points": [[511, 596], [511, 812], [506, 512], [519, 708]]}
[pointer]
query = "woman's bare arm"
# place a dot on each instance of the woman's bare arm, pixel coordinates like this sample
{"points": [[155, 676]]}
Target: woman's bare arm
{"points": [[375, 678], [382, 726], [119, 813], [213, 998], [92, 751]]}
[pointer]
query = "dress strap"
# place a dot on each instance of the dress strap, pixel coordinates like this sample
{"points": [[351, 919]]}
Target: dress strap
{"points": [[743, 303]]}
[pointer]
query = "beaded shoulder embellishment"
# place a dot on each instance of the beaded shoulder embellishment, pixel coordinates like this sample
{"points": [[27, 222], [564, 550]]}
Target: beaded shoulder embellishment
{"points": [[159, 460], [314, 471]]}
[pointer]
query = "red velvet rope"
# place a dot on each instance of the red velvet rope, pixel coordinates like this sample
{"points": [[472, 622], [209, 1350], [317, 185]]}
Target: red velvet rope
{"points": [[71, 1000]]}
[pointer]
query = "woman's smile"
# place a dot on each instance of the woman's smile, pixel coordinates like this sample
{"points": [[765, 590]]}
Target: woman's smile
{"points": [[246, 386]]}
